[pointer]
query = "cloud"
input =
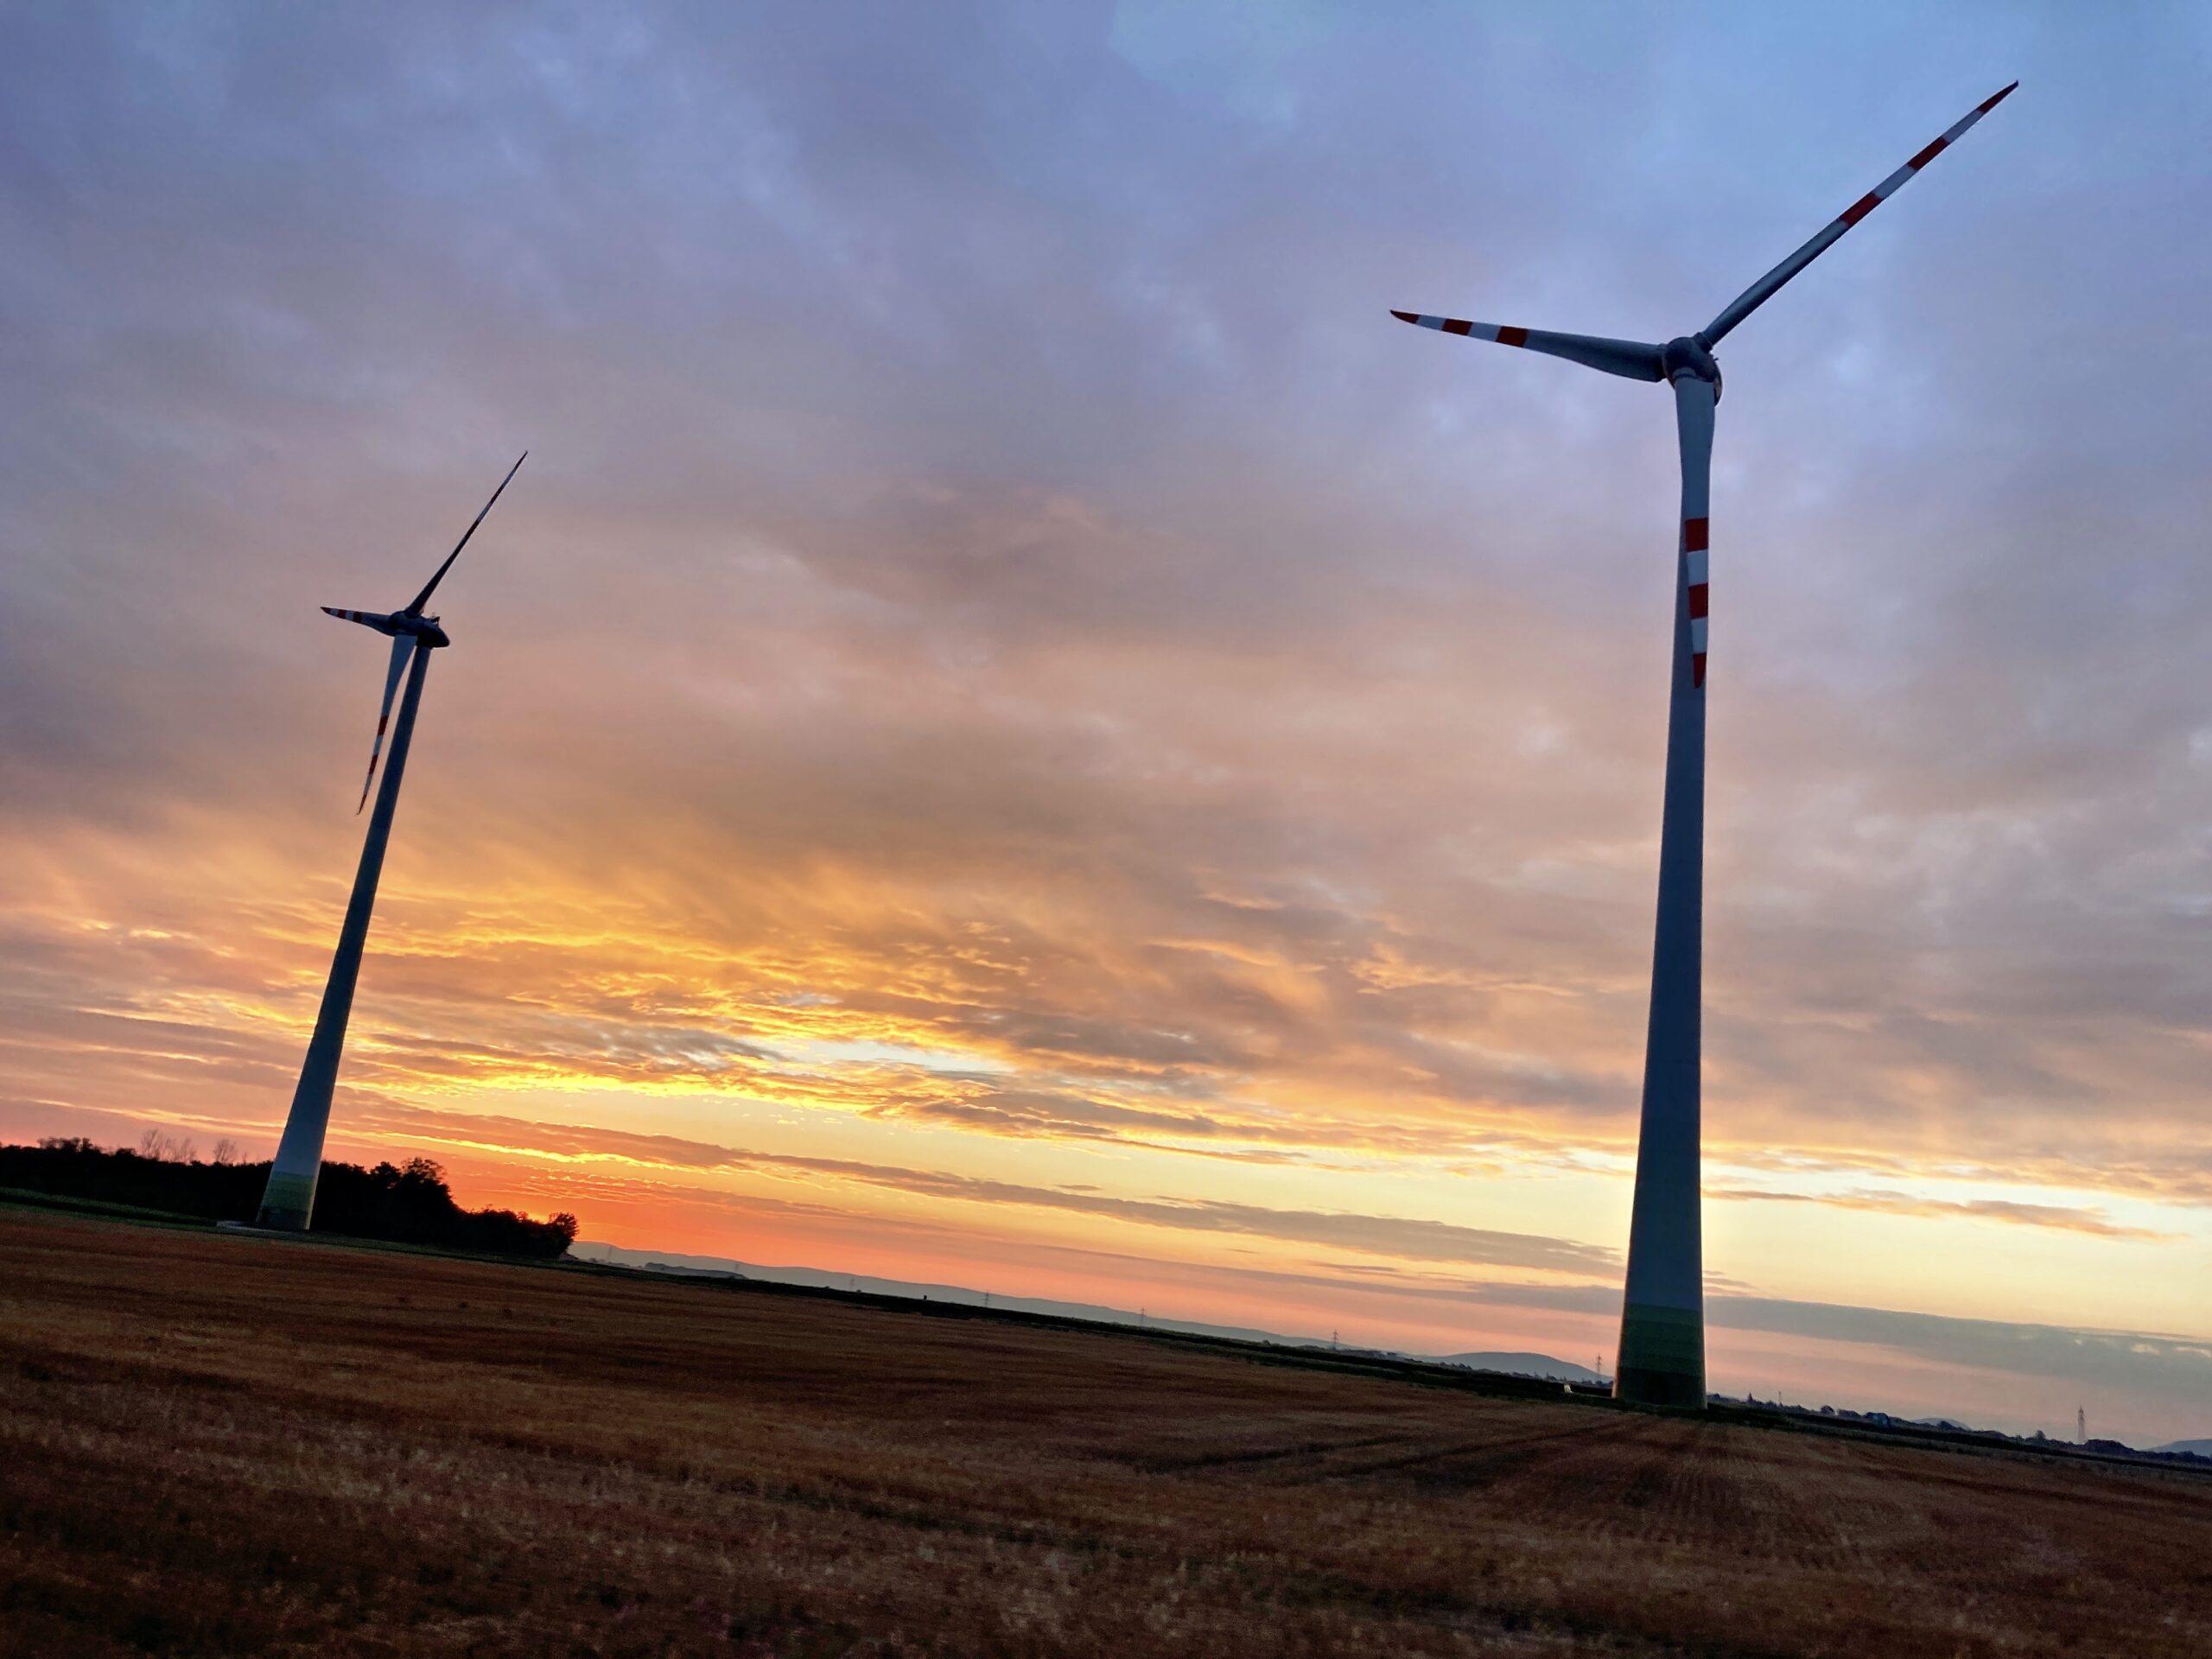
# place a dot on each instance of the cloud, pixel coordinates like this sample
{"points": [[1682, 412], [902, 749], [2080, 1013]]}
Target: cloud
{"points": [[2062, 1217], [2180, 1175], [1405, 1237]]}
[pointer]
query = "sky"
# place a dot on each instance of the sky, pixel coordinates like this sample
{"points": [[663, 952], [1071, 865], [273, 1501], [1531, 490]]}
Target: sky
{"points": [[1017, 730]]}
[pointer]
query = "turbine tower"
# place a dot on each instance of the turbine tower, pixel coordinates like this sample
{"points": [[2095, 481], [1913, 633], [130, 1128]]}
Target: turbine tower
{"points": [[287, 1202], [1662, 1359]]}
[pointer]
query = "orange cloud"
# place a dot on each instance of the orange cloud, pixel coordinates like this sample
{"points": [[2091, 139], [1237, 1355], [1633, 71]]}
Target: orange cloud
{"points": [[2060, 1216]]}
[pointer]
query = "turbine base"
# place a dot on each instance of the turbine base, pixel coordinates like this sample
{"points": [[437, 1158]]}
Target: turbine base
{"points": [[1662, 1357], [286, 1203]]}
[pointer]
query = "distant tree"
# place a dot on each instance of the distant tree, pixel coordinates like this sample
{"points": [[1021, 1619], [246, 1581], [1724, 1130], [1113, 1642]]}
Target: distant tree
{"points": [[226, 1152], [163, 1147]]}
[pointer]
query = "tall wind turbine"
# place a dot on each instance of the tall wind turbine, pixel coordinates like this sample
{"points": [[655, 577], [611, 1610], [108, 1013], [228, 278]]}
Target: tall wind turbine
{"points": [[1662, 1358], [288, 1201]]}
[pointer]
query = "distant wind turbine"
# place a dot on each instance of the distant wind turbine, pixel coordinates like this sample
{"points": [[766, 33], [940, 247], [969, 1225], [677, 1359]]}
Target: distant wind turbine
{"points": [[1661, 1360], [288, 1203]]}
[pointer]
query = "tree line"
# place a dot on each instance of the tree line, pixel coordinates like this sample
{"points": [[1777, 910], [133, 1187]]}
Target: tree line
{"points": [[408, 1203]]}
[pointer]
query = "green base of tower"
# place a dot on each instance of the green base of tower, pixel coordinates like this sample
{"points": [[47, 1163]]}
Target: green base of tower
{"points": [[1662, 1358], [286, 1203]]}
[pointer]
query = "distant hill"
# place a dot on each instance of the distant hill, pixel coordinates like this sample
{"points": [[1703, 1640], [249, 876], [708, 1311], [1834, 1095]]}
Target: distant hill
{"points": [[666, 1261], [1560, 1370], [2200, 1448]]}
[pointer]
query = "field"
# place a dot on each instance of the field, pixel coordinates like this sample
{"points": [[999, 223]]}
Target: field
{"points": [[228, 1445]]}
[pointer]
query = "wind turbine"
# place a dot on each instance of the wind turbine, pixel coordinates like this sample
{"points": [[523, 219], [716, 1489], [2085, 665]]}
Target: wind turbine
{"points": [[1661, 1360], [288, 1200]]}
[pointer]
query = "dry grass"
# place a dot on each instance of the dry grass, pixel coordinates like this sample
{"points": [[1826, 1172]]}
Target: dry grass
{"points": [[231, 1445]]}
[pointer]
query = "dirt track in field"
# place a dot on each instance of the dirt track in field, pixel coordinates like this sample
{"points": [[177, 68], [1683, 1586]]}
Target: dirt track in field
{"points": [[227, 1445]]}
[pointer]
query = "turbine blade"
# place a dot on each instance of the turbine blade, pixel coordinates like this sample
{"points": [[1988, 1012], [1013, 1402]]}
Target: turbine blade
{"points": [[424, 598], [401, 646], [375, 620], [1694, 401], [1630, 359], [1763, 290]]}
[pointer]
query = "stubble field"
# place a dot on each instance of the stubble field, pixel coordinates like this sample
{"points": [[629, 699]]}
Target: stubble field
{"points": [[236, 1446]]}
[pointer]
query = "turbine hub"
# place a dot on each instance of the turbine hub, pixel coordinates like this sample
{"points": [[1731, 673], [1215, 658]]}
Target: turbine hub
{"points": [[1689, 354]]}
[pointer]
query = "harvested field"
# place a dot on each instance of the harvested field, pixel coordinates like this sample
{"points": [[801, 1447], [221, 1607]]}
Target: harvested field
{"points": [[229, 1445]]}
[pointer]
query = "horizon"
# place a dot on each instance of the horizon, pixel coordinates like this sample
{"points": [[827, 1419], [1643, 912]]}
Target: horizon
{"points": [[1140, 1319], [1017, 728]]}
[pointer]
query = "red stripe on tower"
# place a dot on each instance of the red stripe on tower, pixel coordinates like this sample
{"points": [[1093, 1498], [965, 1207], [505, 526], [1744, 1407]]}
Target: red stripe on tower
{"points": [[1697, 669], [1694, 531], [1511, 336], [1698, 591]]}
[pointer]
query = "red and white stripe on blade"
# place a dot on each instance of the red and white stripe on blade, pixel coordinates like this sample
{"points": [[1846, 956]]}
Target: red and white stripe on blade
{"points": [[1882, 192], [402, 645], [1632, 359], [1759, 292], [1503, 334]]}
